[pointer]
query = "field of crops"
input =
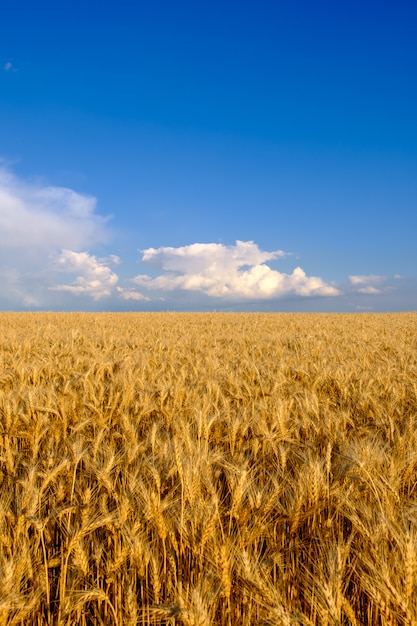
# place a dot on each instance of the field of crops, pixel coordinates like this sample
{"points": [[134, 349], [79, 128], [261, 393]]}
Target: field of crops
{"points": [[198, 469]]}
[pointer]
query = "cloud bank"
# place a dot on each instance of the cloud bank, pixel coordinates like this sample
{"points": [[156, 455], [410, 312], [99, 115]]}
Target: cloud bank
{"points": [[49, 237], [235, 272]]}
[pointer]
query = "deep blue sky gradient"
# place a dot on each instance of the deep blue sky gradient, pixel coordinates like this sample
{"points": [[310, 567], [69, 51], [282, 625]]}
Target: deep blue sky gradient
{"points": [[290, 123]]}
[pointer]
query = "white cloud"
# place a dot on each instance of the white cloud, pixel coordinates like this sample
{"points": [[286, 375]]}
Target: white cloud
{"points": [[208, 256], [367, 284], [36, 217], [8, 66], [370, 279], [369, 289], [48, 257], [236, 272], [37, 221], [94, 279], [131, 294]]}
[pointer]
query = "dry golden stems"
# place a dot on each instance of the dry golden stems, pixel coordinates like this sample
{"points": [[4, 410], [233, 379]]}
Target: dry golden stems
{"points": [[208, 469]]}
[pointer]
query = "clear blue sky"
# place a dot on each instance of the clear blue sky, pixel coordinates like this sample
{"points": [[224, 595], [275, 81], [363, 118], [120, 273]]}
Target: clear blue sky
{"points": [[208, 155]]}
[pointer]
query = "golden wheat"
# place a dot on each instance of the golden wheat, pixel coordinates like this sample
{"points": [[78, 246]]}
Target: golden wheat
{"points": [[208, 469]]}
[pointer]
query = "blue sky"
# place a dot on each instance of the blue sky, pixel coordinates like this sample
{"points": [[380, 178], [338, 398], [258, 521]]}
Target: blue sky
{"points": [[208, 156]]}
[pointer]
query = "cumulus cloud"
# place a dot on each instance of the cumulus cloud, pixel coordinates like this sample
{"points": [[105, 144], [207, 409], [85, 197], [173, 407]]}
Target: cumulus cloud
{"points": [[369, 284], [94, 277], [235, 272]]}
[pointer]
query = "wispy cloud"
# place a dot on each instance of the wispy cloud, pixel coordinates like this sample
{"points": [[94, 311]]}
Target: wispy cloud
{"points": [[368, 284], [8, 66], [35, 216], [235, 272], [131, 294]]}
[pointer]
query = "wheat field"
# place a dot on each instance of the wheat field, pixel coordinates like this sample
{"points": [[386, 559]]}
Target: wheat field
{"points": [[208, 469]]}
